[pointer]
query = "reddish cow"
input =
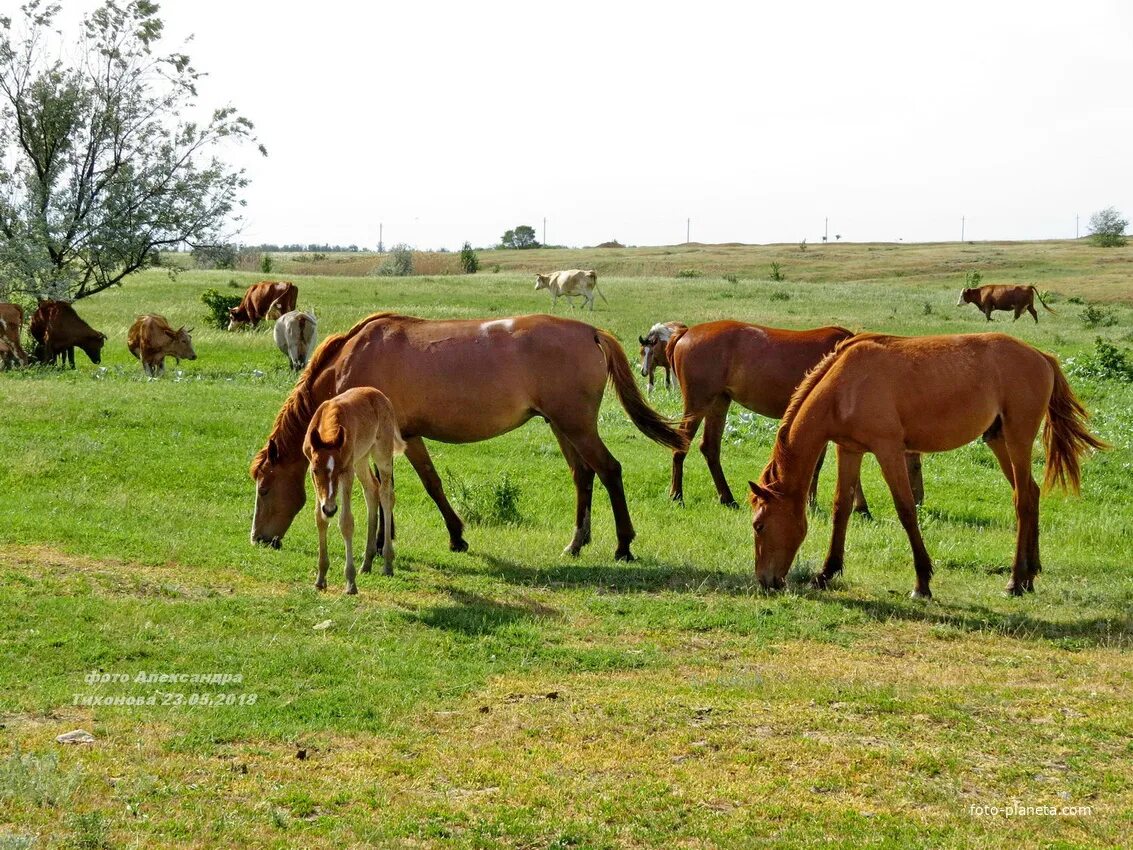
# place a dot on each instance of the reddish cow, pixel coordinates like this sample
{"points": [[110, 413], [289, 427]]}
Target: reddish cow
{"points": [[260, 299], [1000, 297], [151, 339], [57, 329], [11, 325]]}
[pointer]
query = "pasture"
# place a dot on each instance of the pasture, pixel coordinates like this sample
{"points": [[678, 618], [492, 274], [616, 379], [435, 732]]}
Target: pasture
{"points": [[511, 696]]}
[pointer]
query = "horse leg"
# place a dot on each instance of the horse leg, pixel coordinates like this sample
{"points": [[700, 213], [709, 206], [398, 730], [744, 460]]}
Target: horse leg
{"points": [[370, 490], [896, 475], [689, 425], [595, 455], [386, 497], [812, 496], [849, 471], [583, 477], [381, 536], [916, 476], [346, 528], [1027, 563], [423, 465], [714, 423], [321, 522], [668, 378]]}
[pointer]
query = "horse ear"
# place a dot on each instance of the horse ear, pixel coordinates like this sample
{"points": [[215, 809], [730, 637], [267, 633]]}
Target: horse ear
{"points": [[641, 339], [760, 492], [273, 451], [338, 439]]}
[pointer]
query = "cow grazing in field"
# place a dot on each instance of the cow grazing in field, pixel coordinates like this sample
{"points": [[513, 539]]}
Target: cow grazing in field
{"points": [[295, 335], [260, 300], [653, 351], [1000, 297], [11, 325], [57, 330], [570, 284], [8, 357], [151, 339]]}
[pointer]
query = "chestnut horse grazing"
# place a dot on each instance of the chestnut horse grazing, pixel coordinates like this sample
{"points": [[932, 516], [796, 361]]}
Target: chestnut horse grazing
{"points": [[891, 395], [759, 368], [461, 381], [346, 431]]}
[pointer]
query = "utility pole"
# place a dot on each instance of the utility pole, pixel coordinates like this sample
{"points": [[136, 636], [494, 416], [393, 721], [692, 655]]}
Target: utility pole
{"points": [[688, 230], [544, 231], [380, 245], [826, 229], [961, 228], [1075, 225]]}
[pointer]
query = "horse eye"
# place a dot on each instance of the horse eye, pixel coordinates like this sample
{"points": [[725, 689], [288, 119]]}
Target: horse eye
{"points": [[758, 527]]}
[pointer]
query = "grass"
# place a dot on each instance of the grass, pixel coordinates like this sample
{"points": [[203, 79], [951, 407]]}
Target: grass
{"points": [[510, 696]]}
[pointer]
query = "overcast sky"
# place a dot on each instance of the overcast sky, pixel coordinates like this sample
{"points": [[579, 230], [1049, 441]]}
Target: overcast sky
{"points": [[619, 120]]}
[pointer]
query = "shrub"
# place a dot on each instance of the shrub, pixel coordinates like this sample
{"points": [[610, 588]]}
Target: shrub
{"points": [[1075, 299], [927, 309], [488, 503], [469, 262], [265, 263], [1106, 363], [780, 295], [1098, 317], [399, 262], [218, 306], [777, 272], [689, 273], [972, 280], [731, 278], [1107, 228]]}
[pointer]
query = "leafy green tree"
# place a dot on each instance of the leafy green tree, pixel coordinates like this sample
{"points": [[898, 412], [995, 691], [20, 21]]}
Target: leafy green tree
{"points": [[101, 161], [522, 237], [1107, 228], [469, 262]]}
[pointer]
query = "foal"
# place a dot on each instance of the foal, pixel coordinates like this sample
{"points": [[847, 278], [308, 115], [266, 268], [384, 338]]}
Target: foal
{"points": [[346, 432]]}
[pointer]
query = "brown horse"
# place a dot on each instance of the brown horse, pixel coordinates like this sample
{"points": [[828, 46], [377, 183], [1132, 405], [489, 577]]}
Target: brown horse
{"points": [[461, 381], [759, 368], [653, 355], [891, 395]]}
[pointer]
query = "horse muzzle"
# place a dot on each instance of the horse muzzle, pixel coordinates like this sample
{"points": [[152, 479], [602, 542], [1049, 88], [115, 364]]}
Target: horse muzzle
{"points": [[329, 510], [274, 542]]}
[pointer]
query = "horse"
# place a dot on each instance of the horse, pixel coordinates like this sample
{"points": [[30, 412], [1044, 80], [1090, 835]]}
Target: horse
{"points": [[354, 427], [889, 395], [462, 381], [759, 368], [653, 351]]}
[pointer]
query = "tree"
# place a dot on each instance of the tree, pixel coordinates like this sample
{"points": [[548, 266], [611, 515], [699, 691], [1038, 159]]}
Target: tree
{"points": [[100, 160], [522, 237], [1107, 228], [469, 262]]}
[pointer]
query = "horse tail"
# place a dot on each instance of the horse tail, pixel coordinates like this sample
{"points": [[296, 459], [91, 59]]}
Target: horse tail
{"points": [[1065, 437], [671, 345], [1039, 296], [652, 424]]}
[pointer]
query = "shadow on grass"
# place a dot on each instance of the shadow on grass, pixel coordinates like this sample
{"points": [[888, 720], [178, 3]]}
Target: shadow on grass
{"points": [[473, 614]]}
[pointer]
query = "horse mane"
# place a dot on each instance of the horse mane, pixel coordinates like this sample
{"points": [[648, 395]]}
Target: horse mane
{"points": [[781, 452], [291, 422]]}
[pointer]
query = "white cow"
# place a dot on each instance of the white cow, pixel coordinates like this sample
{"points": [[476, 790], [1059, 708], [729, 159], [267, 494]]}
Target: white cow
{"points": [[570, 283], [295, 335]]}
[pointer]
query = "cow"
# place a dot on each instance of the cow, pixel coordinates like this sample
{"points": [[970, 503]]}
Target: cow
{"points": [[1000, 297], [295, 335], [57, 329], [570, 283], [8, 357], [151, 339], [11, 325], [260, 299], [653, 351]]}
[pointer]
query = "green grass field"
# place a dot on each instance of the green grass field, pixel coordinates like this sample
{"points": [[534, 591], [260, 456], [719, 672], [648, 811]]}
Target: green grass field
{"points": [[512, 697]]}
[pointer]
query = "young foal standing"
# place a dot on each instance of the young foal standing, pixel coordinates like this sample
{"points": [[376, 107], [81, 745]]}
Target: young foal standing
{"points": [[346, 432], [892, 395]]}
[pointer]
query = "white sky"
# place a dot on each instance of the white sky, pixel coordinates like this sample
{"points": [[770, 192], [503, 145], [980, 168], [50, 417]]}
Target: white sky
{"points": [[454, 121]]}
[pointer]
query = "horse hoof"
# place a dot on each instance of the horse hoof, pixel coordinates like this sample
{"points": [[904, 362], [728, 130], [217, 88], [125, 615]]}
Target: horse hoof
{"points": [[387, 571], [677, 497], [460, 545], [1013, 590], [624, 555], [733, 504], [921, 594], [864, 513], [572, 551], [351, 590], [366, 568], [819, 582], [320, 585]]}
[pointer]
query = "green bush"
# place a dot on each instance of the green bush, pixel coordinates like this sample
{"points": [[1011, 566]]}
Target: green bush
{"points": [[487, 503], [1106, 363], [780, 295], [777, 272], [265, 263], [399, 263], [1098, 317], [972, 280], [690, 273], [469, 262], [731, 278], [218, 306]]}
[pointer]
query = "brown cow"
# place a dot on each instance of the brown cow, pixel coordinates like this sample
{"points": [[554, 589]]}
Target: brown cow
{"points": [[57, 329], [151, 340], [260, 299], [1000, 297], [11, 325]]}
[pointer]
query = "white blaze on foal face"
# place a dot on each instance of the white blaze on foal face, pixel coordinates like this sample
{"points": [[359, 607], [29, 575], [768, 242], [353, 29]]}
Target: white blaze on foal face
{"points": [[322, 471]]}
